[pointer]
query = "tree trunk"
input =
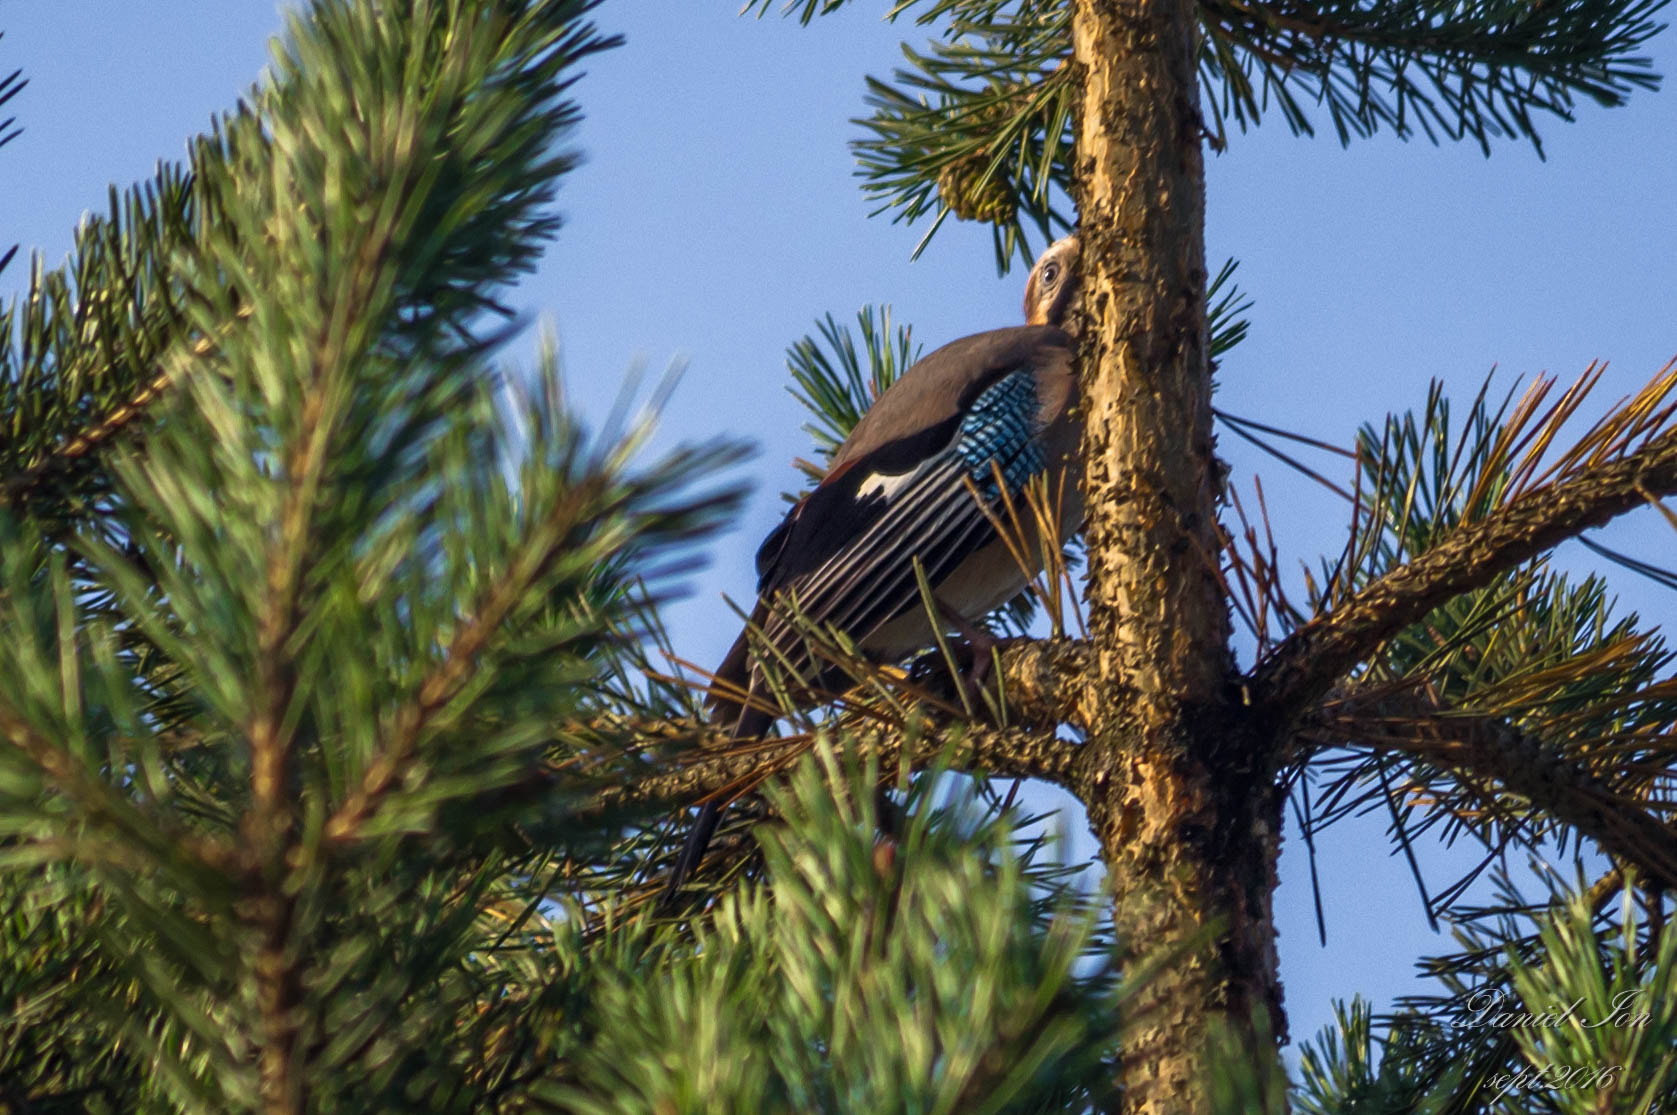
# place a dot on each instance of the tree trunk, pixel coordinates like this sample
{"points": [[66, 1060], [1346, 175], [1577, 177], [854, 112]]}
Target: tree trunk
{"points": [[1175, 779]]}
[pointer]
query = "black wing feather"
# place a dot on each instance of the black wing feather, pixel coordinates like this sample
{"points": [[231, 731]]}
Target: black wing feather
{"points": [[870, 581]]}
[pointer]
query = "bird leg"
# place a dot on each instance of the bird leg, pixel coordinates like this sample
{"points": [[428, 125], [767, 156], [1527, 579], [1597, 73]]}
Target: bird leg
{"points": [[980, 643]]}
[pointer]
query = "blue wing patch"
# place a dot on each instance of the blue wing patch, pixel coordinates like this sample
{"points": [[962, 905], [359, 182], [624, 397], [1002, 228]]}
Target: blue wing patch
{"points": [[1001, 428]]}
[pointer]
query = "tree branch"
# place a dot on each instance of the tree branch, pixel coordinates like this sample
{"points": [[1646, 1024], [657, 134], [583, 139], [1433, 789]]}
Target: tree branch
{"points": [[1012, 752], [1310, 661], [395, 752], [1411, 724], [1039, 678], [100, 803], [1043, 680], [16, 489]]}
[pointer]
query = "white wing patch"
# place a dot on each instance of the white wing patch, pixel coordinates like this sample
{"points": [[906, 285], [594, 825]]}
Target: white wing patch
{"points": [[886, 484]]}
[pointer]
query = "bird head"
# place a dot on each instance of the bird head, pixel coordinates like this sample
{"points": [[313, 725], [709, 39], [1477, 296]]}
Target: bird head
{"points": [[1052, 288]]}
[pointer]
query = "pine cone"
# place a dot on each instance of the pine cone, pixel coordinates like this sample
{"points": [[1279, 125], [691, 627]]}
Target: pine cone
{"points": [[970, 198]]}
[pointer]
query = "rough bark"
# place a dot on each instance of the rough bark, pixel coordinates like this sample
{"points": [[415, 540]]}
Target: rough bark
{"points": [[1180, 795], [696, 775]]}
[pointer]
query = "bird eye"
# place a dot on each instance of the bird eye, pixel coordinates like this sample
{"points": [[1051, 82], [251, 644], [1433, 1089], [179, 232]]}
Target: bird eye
{"points": [[1051, 273]]}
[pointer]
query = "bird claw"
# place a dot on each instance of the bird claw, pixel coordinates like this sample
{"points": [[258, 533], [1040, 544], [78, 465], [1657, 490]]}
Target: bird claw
{"points": [[980, 645], [961, 675], [972, 681]]}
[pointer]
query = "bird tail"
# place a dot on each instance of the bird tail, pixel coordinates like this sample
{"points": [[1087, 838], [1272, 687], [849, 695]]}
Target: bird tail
{"points": [[698, 839], [729, 706], [730, 687]]}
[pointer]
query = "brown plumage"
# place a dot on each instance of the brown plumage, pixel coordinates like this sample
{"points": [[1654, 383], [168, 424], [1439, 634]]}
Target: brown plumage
{"points": [[900, 490]]}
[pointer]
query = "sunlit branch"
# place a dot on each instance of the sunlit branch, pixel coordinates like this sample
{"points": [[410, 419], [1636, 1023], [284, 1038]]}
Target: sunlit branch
{"points": [[1306, 664], [1011, 752], [1483, 747]]}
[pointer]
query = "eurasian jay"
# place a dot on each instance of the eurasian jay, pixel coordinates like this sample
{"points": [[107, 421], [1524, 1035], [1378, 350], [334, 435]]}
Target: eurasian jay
{"points": [[902, 487]]}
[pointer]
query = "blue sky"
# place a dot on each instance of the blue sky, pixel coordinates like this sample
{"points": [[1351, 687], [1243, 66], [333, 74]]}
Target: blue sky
{"points": [[716, 217]]}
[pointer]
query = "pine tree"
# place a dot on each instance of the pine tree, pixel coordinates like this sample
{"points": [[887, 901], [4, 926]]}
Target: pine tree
{"points": [[1437, 663], [337, 730], [331, 668]]}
